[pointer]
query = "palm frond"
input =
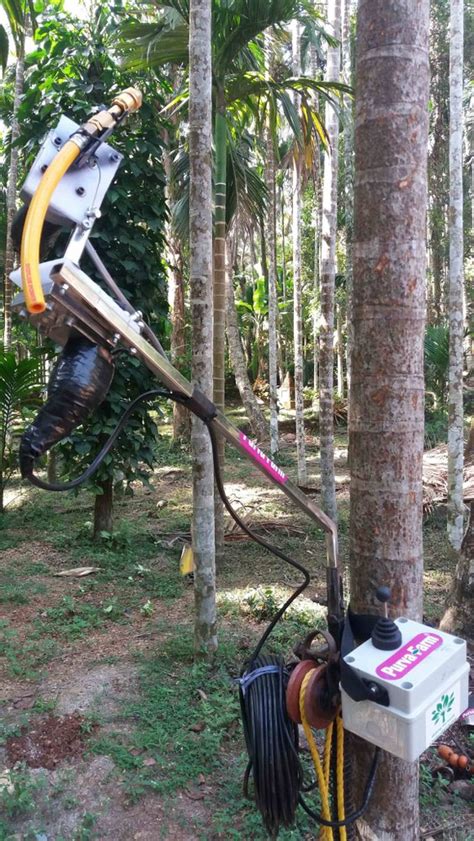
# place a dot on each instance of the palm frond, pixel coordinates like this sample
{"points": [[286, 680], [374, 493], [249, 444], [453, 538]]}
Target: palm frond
{"points": [[150, 45], [3, 48]]}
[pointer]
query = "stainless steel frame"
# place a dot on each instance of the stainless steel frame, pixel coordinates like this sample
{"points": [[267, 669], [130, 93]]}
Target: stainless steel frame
{"points": [[92, 311]]}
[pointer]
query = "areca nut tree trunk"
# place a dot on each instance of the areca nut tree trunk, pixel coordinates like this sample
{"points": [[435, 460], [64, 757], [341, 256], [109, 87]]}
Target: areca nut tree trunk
{"points": [[236, 352], [328, 275], [387, 386], [348, 176], [272, 270], [297, 286], [175, 265], [200, 241], [11, 194], [456, 281], [220, 188]]}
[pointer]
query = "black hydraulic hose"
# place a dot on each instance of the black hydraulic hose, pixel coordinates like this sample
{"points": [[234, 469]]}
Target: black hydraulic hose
{"points": [[269, 730], [27, 466], [260, 540]]}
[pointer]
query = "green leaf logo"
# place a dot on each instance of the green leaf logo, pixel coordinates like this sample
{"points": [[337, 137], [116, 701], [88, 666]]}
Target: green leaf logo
{"points": [[443, 709]]}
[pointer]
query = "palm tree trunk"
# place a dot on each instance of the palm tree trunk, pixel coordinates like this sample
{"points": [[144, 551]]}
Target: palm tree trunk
{"points": [[272, 276], [456, 282], [220, 146], [340, 353], [458, 617], [348, 179], [200, 235], [237, 358], [317, 249], [387, 387], [328, 274], [297, 289], [11, 202], [181, 417], [174, 258]]}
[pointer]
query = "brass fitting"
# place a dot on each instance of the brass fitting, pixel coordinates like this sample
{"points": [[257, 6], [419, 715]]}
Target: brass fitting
{"points": [[129, 100]]}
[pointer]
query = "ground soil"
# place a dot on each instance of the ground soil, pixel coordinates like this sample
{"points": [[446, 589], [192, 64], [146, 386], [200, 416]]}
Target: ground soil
{"points": [[90, 680]]}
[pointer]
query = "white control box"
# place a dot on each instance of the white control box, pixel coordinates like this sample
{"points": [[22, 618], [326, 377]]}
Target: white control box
{"points": [[427, 682]]}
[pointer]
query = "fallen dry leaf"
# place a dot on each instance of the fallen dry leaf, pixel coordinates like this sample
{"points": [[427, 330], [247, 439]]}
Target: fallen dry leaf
{"points": [[149, 762], [76, 572]]}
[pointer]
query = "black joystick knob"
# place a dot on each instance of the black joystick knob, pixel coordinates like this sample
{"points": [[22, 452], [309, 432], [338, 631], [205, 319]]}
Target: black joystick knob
{"points": [[386, 635]]}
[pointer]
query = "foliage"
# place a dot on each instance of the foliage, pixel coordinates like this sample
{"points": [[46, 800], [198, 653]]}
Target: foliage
{"points": [[71, 70], [19, 392], [18, 791], [437, 361]]}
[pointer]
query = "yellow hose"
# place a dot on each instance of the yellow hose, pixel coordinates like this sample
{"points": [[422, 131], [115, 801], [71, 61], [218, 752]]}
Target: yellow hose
{"points": [[323, 770], [30, 242], [128, 100]]}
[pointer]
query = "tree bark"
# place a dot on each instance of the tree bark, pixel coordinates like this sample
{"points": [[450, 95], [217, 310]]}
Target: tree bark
{"points": [[328, 275], [103, 509], [237, 358], [348, 178], [297, 288], [200, 234], [220, 145], [11, 202], [459, 614], [272, 275], [387, 388], [456, 282], [340, 352], [181, 416]]}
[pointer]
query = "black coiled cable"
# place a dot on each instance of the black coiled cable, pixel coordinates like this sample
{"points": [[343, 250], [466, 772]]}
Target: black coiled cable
{"points": [[270, 735]]}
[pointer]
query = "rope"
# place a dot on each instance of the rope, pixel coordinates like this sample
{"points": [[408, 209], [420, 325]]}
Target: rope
{"points": [[326, 831], [323, 770], [341, 811]]}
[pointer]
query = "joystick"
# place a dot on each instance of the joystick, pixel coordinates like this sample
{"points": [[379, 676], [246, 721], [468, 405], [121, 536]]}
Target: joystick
{"points": [[386, 635]]}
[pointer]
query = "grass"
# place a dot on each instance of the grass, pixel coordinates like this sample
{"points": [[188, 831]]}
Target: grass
{"points": [[185, 715], [25, 659]]}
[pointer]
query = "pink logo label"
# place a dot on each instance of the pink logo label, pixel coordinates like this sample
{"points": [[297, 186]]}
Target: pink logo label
{"points": [[268, 465], [407, 657]]}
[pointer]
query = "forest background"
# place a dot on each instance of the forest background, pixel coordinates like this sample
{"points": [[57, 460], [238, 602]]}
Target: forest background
{"points": [[283, 116]]}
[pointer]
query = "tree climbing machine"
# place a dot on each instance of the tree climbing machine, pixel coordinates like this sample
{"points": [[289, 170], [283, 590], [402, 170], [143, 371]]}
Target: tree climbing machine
{"points": [[399, 686]]}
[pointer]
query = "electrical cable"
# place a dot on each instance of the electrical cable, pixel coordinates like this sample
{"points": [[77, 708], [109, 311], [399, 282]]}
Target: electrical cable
{"points": [[27, 465], [271, 736], [349, 819]]}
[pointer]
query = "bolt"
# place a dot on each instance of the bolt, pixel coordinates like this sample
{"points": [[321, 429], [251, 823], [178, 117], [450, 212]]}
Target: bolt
{"points": [[114, 157], [94, 213], [63, 289], [70, 321], [133, 351], [57, 141], [80, 191], [44, 167], [116, 338], [86, 224]]}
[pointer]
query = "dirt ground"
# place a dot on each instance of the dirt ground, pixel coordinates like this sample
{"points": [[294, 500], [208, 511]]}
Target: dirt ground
{"points": [[86, 663]]}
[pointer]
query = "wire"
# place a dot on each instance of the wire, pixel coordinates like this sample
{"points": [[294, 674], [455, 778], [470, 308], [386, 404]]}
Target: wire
{"points": [[260, 540], [27, 465], [369, 786]]}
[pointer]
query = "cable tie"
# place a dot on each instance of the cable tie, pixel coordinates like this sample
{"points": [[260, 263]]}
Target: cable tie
{"points": [[249, 677]]}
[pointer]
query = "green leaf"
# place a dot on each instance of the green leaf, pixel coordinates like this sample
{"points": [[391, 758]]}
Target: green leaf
{"points": [[3, 47]]}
